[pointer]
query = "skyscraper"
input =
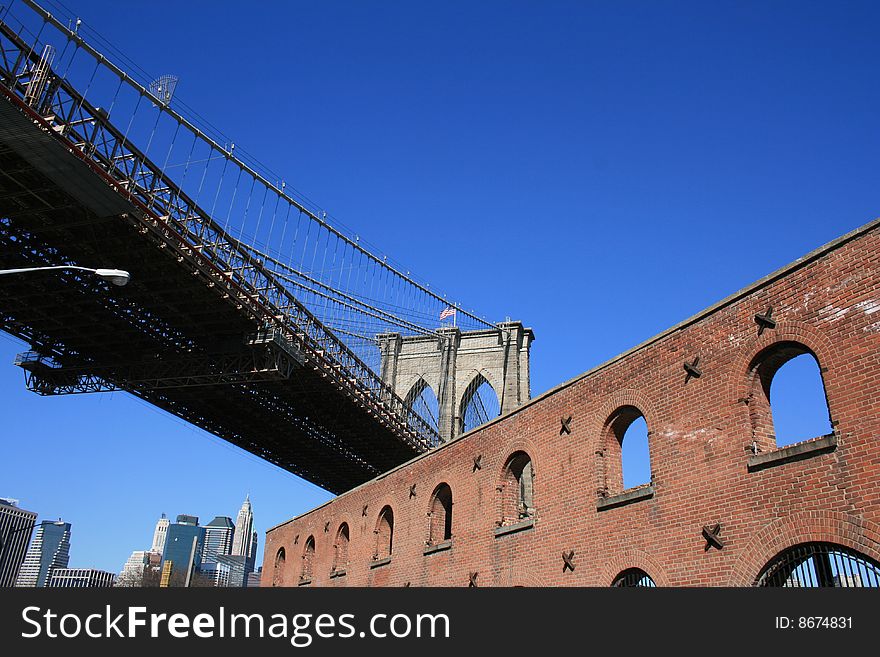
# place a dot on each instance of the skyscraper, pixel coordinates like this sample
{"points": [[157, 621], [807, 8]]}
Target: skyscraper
{"points": [[218, 539], [244, 527], [160, 534], [184, 545], [16, 526], [49, 550]]}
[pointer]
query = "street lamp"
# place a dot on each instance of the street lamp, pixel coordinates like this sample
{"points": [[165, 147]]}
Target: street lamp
{"points": [[116, 276]]}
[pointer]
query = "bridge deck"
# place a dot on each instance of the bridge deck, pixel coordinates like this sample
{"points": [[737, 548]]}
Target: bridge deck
{"points": [[55, 208]]}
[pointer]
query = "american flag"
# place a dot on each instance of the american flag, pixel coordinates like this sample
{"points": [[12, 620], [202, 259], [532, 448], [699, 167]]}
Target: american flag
{"points": [[448, 311]]}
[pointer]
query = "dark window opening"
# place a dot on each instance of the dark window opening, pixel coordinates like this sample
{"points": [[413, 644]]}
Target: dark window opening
{"points": [[440, 515], [633, 577], [517, 489], [820, 565], [384, 534]]}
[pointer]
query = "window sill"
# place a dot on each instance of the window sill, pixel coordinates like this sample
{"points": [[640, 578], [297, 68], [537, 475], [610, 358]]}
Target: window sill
{"points": [[522, 525], [630, 496], [380, 562], [304, 582], [796, 452], [438, 547], [339, 572]]}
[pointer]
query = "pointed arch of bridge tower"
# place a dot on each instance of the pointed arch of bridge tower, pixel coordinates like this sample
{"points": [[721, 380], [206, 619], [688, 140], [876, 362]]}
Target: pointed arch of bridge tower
{"points": [[450, 360], [479, 402], [422, 399]]}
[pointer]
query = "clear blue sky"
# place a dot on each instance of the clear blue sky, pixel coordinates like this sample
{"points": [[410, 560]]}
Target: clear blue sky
{"points": [[598, 170]]}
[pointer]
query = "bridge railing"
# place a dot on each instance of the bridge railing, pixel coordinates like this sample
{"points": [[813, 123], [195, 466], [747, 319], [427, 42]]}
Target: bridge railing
{"points": [[38, 75]]}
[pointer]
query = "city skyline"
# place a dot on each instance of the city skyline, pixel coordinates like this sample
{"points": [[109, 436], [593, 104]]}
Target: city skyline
{"points": [[218, 539]]}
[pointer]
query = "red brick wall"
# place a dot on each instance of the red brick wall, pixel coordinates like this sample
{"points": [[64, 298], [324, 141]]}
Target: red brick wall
{"points": [[701, 435]]}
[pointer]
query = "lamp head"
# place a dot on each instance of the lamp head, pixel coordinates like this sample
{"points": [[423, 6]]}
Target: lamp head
{"points": [[115, 276]]}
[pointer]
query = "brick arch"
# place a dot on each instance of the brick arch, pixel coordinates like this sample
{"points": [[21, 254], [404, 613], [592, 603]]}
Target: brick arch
{"points": [[378, 542], [518, 444], [742, 379], [342, 520], [601, 434], [279, 567], [633, 558], [790, 331], [803, 527]]}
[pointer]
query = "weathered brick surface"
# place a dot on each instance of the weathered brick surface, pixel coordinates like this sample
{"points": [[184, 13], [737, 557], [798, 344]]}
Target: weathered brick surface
{"points": [[701, 434]]}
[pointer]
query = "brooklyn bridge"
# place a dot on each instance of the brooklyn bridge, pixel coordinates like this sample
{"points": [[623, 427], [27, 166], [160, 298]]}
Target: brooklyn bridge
{"points": [[247, 312]]}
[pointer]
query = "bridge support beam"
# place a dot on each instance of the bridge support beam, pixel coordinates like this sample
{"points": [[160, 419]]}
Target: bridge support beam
{"points": [[452, 360]]}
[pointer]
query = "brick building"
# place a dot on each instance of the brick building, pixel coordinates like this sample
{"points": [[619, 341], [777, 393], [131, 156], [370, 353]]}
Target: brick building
{"points": [[535, 498]]}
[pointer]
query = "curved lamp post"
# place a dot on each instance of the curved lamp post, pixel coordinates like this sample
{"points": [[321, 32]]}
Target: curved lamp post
{"points": [[116, 276]]}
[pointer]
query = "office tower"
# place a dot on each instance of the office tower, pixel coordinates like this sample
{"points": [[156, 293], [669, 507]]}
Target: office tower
{"points": [[244, 527], [184, 545], [218, 539], [231, 571], [80, 578], [160, 534], [253, 579], [133, 571], [252, 557], [49, 550], [16, 526]]}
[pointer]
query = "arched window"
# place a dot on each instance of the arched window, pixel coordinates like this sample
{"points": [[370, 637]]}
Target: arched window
{"points": [[440, 515], [788, 402], [308, 560], [627, 456], [633, 577], [384, 534], [340, 557], [278, 572], [517, 489], [422, 400], [820, 564], [479, 404]]}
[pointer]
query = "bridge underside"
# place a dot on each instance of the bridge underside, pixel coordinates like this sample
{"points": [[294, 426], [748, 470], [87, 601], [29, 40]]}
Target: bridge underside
{"points": [[169, 336]]}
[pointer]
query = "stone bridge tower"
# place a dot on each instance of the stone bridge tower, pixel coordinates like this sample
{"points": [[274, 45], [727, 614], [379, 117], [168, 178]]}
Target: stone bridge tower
{"points": [[454, 365]]}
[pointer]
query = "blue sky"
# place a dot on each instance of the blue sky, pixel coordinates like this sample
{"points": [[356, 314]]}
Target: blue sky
{"points": [[561, 163]]}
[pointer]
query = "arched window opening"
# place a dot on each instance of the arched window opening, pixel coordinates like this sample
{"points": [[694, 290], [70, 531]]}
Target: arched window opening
{"points": [[479, 404], [340, 557], [423, 402], [798, 403], [308, 560], [627, 455], [820, 565], [440, 525], [633, 577], [517, 489], [384, 534], [278, 572]]}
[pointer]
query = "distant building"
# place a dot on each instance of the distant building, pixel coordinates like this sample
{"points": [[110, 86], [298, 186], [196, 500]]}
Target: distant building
{"points": [[160, 534], [232, 571], [141, 569], [16, 526], [244, 527], [252, 556], [81, 578], [49, 550], [218, 539], [253, 579], [133, 571], [184, 545]]}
